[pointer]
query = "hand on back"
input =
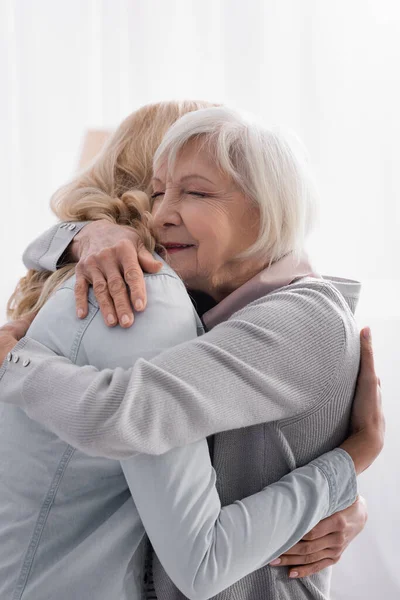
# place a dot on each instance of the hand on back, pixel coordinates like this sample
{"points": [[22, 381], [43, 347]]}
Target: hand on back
{"points": [[112, 259]]}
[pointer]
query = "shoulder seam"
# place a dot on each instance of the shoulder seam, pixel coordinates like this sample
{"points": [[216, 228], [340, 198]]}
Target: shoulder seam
{"points": [[80, 334]]}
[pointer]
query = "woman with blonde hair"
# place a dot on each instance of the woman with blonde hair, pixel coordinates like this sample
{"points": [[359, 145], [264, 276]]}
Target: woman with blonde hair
{"points": [[75, 522]]}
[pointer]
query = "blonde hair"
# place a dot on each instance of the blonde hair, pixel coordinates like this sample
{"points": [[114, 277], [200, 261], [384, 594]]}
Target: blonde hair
{"points": [[270, 168], [114, 187]]}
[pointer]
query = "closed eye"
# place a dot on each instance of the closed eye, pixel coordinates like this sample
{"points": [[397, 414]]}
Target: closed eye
{"points": [[156, 195], [197, 194]]}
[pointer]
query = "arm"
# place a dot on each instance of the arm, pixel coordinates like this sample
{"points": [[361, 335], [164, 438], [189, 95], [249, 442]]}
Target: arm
{"points": [[45, 252], [270, 361], [326, 542], [67, 242], [203, 547]]}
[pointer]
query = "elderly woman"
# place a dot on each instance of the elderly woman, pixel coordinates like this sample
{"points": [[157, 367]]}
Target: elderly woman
{"points": [[232, 206]]}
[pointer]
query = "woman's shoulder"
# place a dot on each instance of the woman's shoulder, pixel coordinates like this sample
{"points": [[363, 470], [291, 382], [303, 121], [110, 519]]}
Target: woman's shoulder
{"points": [[337, 293], [56, 324], [169, 319], [311, 307]]}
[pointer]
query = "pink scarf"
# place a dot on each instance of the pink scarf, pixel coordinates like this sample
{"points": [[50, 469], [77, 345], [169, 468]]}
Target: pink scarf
{"points": [[278, 275]]}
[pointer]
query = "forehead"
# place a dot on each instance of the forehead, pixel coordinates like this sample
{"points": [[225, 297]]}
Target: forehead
{"points": [[196, 157]]}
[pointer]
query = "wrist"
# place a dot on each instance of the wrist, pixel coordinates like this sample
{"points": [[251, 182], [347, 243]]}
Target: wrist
{"points": [[74, 250], [363, 448]]}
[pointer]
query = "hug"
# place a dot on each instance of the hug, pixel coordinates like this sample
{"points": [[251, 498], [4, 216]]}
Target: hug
{"points": [[189, 424]]}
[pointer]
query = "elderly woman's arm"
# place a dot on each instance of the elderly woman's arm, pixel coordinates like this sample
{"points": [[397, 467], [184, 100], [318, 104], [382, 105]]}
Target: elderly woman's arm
{"points": [[58, 246], [274, 359], [45, 252]]}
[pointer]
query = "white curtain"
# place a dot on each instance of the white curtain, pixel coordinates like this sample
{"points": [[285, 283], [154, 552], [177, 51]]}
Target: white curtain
{"points": [[328, 70]]}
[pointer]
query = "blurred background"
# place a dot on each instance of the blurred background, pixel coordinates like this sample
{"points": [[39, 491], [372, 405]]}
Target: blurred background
{"points": [[328, 70]]}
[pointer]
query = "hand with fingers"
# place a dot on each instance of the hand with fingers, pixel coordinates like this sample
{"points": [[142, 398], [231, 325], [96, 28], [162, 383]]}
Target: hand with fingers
{"points": [[324, 545], [112, 259]]}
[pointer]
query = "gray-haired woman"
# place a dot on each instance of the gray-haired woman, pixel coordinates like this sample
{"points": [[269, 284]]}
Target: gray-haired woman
{"points": [[232, 207]]}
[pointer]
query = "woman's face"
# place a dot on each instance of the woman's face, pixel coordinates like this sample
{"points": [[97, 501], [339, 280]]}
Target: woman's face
{"points": [[204, 221]]}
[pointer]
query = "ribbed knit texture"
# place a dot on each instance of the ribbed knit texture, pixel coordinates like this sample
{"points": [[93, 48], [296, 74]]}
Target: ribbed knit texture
{"points": [[246, 460], [284, 367]]}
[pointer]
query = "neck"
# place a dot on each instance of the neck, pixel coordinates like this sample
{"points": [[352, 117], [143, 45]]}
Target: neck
{"points": [[234, 277]]}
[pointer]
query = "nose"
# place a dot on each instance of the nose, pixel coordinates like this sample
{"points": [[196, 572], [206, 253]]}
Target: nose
{"points": [[166, 212]]}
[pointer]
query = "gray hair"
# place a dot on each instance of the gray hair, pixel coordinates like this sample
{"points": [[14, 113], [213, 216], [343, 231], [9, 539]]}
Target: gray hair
{"points": [[269, 167]]}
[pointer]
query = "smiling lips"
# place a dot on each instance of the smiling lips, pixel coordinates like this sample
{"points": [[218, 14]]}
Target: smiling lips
{"points": [[172, 247]]}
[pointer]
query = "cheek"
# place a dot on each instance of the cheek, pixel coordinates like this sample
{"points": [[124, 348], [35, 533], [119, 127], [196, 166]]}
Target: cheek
{"points": [[211, 226], [214, 243]]}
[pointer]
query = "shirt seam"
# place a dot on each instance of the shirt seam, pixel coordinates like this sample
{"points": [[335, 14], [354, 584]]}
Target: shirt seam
{"points": [[41, 523], [82, 330], [45, 510]]}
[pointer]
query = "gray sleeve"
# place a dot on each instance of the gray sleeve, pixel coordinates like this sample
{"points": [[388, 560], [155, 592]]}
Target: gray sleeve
{"points": [[274, 359], [45, 251], [204, 547]]}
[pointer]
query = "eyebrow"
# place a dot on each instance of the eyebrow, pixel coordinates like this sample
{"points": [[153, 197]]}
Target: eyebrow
{"points": [[195, 176], [192, 176]]}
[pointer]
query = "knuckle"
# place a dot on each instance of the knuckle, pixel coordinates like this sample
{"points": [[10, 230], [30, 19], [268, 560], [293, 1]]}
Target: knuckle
{"points": [[116, 285], [341, 538], [89, 262], [124, 245], [306, 548], [311, 535], [340, 522], [100, 287], [122, 306], [103, 255], [133, 275], [80, 287]]}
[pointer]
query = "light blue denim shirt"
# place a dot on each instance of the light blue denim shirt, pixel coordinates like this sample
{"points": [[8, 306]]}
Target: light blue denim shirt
{"points": [[72, 526]]}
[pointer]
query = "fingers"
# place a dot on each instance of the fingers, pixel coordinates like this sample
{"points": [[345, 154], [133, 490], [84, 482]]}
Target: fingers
{"points": [[313, 556], [367, 363], [110, 270], [81, 294], [133, 276], [325, 527], [148, 262], [118, 293], [104, 299], [103, 272], [305, 571], [306, 548], [307, 559]]}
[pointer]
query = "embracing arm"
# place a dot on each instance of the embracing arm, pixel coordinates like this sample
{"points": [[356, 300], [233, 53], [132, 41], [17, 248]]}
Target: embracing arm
{"points": [[204, 547], [272, 360], [45, 252]]}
